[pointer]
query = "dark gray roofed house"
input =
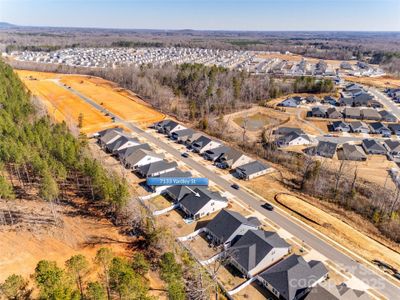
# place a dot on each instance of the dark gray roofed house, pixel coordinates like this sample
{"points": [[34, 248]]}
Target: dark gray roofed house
{"points": [[379, 128], [293, 277], [201, 203], [191, 138], [252, 170], [227, 226], [103, 132], [330, 100], [346, 101], [340, 126], [181, 135], [333, 113], [141, 157], [352, 152], [359, 127], [387, 116], [327, 291], [204, 143], [215, 153], [159, 126], [109, 137], [318, 112], [293, 139], [177, 192], [371, 146], [393, 148], [370, 114], [124, 153], [156, 168], [286, 130], [232, 159], [256, 250], [326, 149], [352, 113], [362, 99], [124, 141], [311, 99], [171, 127], [395, 128]]}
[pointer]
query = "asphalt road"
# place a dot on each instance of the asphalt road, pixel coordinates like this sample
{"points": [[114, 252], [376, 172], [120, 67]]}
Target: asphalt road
{"points": [[367, 275], [386, 101]]}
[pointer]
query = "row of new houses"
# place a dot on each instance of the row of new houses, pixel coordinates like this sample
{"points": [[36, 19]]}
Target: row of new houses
{"points": [[357, 152], [265, 257], [352, 95], [196, 202], [352, 113], [221, 155], [361, 127]]}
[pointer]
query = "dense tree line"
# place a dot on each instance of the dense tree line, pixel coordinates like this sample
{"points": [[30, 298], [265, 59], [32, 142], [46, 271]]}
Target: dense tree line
{"points": [[117, 278], [44, 155]]}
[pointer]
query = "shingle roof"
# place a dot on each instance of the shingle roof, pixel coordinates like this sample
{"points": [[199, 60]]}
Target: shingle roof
{"points": [[175, 173], [352, 152], [326, 149], [393, 145], [231, 156], [155, 167], [177, 192], [128, 151], [286, 130], [202, 141], [120, 142], [327, 291], [254, 246], [110, 135], [103, 132], [216, 152], [253, 167], [194, 203], [183, 132], [225, 224], [293, 275], [136, 156], [371, 144]]}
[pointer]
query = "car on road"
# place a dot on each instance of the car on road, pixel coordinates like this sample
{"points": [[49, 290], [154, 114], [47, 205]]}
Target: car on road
{"points": [[235, 186], [267, 206], [185, 154]]}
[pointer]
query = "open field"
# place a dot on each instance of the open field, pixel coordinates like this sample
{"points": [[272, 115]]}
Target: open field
{"points": [[119, 101], [379, 82], [63, 105]]}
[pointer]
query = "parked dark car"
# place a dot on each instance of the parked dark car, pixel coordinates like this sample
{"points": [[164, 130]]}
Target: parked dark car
{"points": [[235, 186], [267, 206], [185, 154]]}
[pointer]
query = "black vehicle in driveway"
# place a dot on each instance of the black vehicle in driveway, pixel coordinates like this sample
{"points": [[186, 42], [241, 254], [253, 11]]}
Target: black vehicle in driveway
{"points": [[185, 154], [267, 206], [235, 186]]}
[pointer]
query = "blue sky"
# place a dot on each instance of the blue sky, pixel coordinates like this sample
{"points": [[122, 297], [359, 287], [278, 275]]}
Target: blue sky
{"points": [[352, 15]]}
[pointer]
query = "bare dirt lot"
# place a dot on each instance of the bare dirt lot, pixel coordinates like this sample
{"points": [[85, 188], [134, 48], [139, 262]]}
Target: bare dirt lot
{"points": [[66, 106], [379, 82]]}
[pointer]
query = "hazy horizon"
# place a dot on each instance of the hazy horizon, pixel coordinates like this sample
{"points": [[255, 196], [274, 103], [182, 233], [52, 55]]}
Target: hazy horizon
{"points": [[217, 15]]}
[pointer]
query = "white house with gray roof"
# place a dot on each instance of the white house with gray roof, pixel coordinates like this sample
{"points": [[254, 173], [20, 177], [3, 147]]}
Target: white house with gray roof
{"points": [[228, 226], [293, 277], [122, 142], [109, 136], [124, 153], [293, 139], [156, 168], [232, 159], [141, 157], [256, 250], [203, 144], [201, 203], [215, 153], [372, 146], [252, 170]]}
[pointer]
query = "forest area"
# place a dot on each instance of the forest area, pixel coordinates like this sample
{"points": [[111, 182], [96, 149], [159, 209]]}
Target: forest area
{"points": [[43, 162]]}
